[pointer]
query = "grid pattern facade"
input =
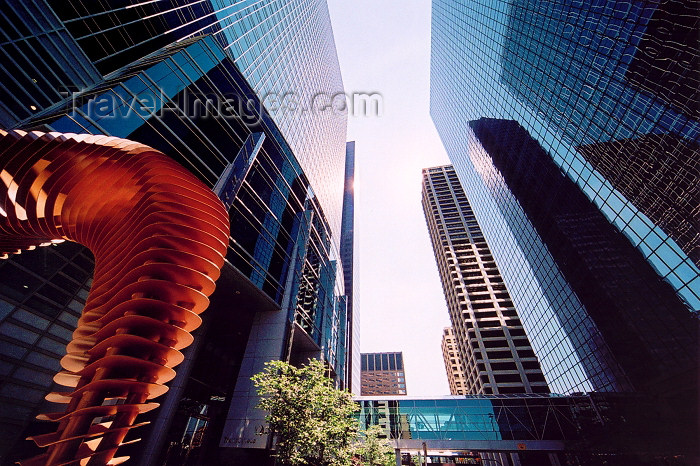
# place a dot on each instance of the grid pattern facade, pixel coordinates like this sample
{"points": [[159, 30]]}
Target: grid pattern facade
{"points": [[566, 74], [42, 294], [281, 241], [638, 335], [494, 350], [382, 374], [284, 48], [41, 62], [668, 166], [453, 363], [620, 113]]}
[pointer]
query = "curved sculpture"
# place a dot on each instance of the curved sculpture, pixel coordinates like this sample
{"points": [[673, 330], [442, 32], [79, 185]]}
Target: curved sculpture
{"points": [[159, 237]]}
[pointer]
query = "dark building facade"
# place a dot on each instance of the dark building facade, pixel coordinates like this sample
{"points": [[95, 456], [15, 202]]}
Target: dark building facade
{"points": [[639, 333], [626, 96], [658, 173], [281, 295], [492, 346], [347, 248], [383, 374], [579, 79]]}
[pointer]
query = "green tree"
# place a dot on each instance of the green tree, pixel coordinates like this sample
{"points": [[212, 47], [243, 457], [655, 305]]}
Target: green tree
{"points": [[374, 449], [311, 419]]}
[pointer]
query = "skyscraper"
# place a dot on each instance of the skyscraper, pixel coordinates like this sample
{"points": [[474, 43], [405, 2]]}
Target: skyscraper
{"points": [[383, 374], [630, 107], [347, 248], [284, 49], [636, 333], [577, 85], [148, 72], [453, 363], [492, 345]]}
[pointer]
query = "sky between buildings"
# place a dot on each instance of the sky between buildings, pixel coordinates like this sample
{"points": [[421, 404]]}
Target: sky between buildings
{"points": [[384, 47]]}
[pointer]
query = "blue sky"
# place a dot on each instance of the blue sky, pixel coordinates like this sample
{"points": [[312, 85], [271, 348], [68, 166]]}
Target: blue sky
{"points": [[384, 47]]}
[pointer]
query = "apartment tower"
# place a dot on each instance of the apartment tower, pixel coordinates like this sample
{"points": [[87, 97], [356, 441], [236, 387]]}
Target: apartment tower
{"points": [[453, 363], [496, 355]]}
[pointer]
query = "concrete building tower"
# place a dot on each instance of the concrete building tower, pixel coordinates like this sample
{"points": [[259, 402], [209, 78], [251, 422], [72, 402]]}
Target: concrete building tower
{"points": [[453, 363], [492, 344]]}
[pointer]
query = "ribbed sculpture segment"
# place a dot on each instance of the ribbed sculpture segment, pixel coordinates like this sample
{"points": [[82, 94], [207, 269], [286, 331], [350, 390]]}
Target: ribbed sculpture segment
{"points": [[159, 237]]}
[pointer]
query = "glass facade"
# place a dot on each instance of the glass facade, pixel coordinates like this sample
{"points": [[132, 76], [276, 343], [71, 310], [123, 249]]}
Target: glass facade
{"points": [[382, 361], [383, 374], [165, 80], [347, 247], [284, 49], [585, 424], [599, 91], [574, 77], [42, 294], [635, 334], [41, 62], [561, 71]]}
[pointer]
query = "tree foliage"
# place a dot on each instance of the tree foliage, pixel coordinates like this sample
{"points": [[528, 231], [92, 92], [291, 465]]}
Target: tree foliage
{"points": [[373, 450], [311, 419]]}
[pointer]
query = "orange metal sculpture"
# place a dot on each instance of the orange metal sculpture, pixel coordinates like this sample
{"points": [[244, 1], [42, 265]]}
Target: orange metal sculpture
{"points": [[159, 237]]}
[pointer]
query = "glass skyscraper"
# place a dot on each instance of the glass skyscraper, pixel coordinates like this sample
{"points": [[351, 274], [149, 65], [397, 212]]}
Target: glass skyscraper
{"points": [[635, 334], [347, 254], [198, 81], [581, 82], [284, 49], [621, 85]]}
